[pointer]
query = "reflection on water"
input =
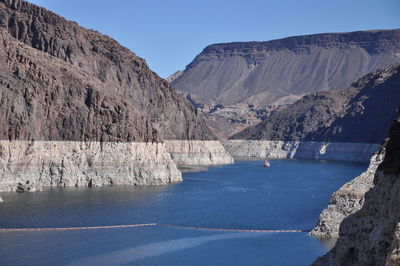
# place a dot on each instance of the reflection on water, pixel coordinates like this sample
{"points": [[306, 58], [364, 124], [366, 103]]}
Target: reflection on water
{"points": [[288, 195], [130, 255], [327, 242]]}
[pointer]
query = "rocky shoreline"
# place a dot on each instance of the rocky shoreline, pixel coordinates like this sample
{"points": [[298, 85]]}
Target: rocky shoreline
{"points": [[371, 235], [352, 152], [346, 201], [197, 152], [33, 165]]}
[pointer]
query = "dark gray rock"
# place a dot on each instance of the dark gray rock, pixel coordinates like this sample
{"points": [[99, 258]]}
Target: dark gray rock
{"points": [[59, 81], [257, 78], [371, 236], [279, 71], [360, 113]]}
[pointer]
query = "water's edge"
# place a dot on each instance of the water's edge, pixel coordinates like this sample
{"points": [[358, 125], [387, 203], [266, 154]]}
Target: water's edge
{"points": [[261, 149], [33, 165]]}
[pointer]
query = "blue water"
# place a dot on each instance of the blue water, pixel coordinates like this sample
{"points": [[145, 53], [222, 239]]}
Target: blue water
{"points": [[288, 195]]}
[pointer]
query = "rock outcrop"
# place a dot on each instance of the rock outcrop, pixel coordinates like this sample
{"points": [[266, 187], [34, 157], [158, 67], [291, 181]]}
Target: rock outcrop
{"points": [[371, 236], [358, 114], [174, 76], [261, 149], [60, 81], [346, 201], [39, 164], [79, 109], [265, 75], [194, 152]]}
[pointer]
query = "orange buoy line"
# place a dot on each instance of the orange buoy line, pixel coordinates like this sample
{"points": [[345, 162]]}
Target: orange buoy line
{"points": [[75, 228], [150, 224]]}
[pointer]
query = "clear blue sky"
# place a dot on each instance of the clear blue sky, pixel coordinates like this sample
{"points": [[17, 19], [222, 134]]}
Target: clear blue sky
{"points": [[170, 33]]}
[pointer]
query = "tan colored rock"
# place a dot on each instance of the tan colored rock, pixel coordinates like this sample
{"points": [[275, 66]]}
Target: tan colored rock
{"points": [[346, 201], [371, 235], [77, 163], [195, 152], [354, 152]]}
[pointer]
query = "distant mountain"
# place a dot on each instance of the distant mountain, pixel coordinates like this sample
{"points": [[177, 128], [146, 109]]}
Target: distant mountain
{"points": [[258, 78], [59, 81], [359, 113], [279, 71], [174, 76]]}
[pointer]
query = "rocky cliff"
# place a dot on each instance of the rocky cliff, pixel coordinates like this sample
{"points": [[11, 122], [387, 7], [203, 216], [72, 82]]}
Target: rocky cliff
{"points": [[261, 149], [37, 164], [265, 75], [72, 97], [60, 81], [347, 200], [360, 113], [194, 152], [371, 236]]}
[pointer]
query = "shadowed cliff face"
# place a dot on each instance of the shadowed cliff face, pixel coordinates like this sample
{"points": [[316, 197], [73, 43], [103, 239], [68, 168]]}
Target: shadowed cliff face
{"points": [[360, 113], [371, 236], [60, 81]]}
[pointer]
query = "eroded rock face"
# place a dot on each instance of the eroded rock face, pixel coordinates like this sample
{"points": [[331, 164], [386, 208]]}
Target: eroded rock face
{"points": [[263, 73], [261, 149], [198, 152], [371, 235], [30, 166], [79, 109], [358, 114], [346, 201], [60, 81], [261, 76]]}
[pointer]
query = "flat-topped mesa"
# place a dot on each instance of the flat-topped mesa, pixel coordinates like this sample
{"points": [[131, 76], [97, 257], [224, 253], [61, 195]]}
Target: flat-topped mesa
{"points": [[374, 42], [279, 71], [249, 81], [60, 82]]}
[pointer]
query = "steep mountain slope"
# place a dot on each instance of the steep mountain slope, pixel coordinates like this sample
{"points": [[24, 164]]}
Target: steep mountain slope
{"points": [[258, 78], [371, 236], [278, 71], [60, 81], [360, 113], [78, 109]]}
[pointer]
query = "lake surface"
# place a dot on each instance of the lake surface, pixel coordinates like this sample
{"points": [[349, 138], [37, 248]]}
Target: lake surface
{"points": [[288, 195]]}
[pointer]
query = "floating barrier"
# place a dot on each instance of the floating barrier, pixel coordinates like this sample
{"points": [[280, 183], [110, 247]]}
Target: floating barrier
{"points": [[151, 224]]}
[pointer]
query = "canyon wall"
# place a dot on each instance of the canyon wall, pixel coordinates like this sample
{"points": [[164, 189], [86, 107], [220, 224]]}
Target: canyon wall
{"points": [[361, 113], [354, 152], [278, 71], [198, 152], [79, 109], [240, 84], [346, 201], [371, 236], [38, 164]]}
